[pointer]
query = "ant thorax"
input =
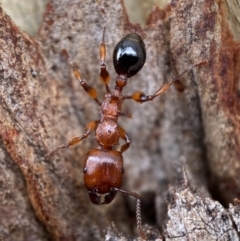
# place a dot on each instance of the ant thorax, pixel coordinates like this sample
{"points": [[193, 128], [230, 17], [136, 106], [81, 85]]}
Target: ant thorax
{"points": [[107, 134], [111, 106]]}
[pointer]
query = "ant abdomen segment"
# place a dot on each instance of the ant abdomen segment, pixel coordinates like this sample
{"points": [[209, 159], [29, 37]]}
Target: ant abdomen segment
{"points": [[103, 172], [129, 55]]}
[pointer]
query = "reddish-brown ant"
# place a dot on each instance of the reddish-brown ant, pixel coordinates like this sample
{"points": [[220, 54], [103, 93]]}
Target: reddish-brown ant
{"points": [[103, 166]]}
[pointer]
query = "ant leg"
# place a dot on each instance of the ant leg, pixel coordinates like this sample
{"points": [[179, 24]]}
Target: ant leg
{"points": [[90, 126], [141, 97], [90, 90], [104, 75], [125, 137], [129, 115]]}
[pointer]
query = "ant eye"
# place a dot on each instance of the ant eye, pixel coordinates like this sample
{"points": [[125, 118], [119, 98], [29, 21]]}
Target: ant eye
{"points": [[129, 55], [84, 170]]}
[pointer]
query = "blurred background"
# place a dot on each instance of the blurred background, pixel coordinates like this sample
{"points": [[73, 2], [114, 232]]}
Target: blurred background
{"points": [[28, 14]]}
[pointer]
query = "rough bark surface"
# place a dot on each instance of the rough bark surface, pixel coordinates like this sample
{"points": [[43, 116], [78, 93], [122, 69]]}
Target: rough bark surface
{"points": [[188, 138]]}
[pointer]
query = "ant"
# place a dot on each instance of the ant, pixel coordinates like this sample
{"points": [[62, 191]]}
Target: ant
{"points": [[103, 166]]}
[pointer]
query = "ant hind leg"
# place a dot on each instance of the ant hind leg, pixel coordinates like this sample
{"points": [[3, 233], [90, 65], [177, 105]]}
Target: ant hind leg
{"points": [[140, 97], [104, 75], [92, 92]]}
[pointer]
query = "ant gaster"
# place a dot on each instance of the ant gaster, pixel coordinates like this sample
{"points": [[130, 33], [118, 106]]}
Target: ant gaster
{"points": [[103, 166]]}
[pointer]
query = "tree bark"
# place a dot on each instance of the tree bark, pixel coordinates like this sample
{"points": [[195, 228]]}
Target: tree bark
{"points": [[185, 144]]}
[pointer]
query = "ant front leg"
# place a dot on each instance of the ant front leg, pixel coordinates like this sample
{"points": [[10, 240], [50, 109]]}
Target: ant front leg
{"points": [[141, 97], [125, 137], [90, 127]]}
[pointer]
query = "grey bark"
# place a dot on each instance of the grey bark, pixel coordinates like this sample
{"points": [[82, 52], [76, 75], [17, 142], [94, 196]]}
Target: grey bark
{"points": [[185, 145]]}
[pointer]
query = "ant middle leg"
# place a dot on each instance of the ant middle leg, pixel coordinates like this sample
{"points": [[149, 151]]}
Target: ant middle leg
{"points": [[125, 137], [90, 127], [139, 96]]}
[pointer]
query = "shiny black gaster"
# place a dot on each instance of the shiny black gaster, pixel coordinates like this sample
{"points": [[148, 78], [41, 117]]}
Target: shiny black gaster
{"points": [[129, 55]]}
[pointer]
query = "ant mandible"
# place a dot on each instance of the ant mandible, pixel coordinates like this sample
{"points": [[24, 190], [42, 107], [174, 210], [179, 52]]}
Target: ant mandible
{"points": [[103, 166]]}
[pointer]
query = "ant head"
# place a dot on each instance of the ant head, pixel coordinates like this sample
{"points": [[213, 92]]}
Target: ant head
{"points": [[98, 198], [103, 173], [129, 55]]}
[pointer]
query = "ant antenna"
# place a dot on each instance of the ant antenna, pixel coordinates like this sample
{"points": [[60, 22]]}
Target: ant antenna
{"points": [[139, 219], [138, 210]]}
